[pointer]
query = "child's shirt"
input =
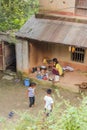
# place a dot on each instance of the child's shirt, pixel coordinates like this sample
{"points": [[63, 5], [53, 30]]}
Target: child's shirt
{"points": [[31, 92], [48, 102]]}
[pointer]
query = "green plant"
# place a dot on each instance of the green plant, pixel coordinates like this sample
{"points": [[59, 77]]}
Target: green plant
{"points": [[67, 118]]}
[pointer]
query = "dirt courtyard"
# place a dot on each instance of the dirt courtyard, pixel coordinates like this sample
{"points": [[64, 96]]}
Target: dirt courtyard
{"points": [[13, 97]]}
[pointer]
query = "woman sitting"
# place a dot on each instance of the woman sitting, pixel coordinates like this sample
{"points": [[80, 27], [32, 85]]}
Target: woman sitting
{"points": [[57, 68]]}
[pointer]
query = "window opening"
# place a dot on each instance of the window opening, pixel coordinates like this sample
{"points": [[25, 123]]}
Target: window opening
{"points": [[77, 54]]}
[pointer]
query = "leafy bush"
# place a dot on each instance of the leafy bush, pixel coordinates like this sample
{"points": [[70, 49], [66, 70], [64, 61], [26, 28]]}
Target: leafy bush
{"points": [[64, 117]]}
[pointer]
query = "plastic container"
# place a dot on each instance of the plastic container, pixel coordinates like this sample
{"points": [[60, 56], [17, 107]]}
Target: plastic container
{"points": [[39, 77], [27, 82], [56, 78]]}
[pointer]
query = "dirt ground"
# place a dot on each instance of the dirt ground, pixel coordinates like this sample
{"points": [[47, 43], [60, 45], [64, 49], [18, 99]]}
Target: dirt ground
{"points": [[13, 97], [71, 80]]}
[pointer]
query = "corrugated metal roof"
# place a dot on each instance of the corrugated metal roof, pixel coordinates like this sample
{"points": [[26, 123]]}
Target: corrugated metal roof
{"points": [[55, 31]]}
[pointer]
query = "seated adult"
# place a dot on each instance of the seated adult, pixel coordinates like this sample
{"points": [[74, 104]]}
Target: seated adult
{"points": [[57, 68]]}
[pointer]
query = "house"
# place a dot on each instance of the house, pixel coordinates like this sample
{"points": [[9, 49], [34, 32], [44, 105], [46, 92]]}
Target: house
{"points": [[7, 51], [58, 30]]}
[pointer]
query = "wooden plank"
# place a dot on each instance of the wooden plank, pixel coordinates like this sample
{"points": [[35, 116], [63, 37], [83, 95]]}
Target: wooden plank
{"points": [[19, 53], [1, 63], [1, 56]]}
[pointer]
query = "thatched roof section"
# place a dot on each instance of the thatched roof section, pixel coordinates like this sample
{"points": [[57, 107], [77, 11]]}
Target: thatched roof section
{"points": [[54, 31]]}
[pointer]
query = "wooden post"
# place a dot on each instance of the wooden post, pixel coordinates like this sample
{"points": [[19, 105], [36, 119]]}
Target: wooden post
{"points": [[25, 55], [19, 55], [22, 59]]}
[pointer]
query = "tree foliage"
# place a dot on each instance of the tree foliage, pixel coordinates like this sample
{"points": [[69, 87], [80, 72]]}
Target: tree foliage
{"points": [[13, 13]]}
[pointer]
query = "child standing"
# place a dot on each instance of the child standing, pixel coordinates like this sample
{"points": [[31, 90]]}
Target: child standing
{"points": [[31, 94], [48, 102]]}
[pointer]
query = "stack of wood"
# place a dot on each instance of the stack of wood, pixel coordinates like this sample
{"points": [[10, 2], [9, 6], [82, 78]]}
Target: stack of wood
{"points": [[83, 85]]}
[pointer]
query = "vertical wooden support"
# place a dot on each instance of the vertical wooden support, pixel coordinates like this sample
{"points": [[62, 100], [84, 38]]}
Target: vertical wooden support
{"points": [[3, 56], [22, 59], [19, 55], [25, 57]]}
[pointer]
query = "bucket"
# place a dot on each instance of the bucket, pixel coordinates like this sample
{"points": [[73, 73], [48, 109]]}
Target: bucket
{"points": [[56, 78], [27, 82]]}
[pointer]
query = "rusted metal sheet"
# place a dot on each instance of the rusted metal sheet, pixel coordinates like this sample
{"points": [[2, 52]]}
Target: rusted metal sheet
{"points": [[55, 31]]}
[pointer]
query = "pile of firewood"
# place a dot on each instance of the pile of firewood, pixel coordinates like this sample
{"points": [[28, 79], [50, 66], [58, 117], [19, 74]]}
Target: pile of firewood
{"points": [[83, 85]]}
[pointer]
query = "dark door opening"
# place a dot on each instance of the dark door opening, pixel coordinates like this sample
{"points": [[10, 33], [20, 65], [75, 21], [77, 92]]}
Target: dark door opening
{"points": [[11, 58]]}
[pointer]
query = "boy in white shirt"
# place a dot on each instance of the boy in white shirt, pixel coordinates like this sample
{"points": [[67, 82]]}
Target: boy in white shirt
{"points": [[48, 102]]}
